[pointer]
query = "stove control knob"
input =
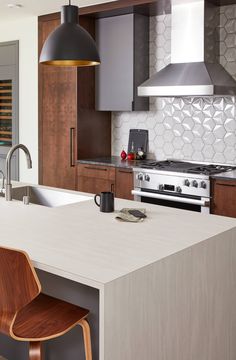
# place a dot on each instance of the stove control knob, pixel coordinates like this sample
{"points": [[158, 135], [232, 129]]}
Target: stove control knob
{"points": [[140, 176], [195, 183], [203, 185], [179, 190], [147, 177], [187, 182], [161, 187]]}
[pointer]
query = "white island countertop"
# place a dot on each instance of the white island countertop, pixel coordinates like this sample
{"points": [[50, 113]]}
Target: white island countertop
{"points": [[167, 283], [80, 243]]}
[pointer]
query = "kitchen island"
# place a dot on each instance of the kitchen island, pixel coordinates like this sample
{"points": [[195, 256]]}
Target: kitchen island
{"points": [[165, 287]]}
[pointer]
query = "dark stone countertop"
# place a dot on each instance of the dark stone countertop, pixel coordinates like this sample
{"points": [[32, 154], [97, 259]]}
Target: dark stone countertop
{"points": [[114, 161], [227, 175]]}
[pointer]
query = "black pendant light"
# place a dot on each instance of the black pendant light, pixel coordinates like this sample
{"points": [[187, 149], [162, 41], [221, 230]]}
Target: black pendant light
{"points": [[69, 44]]}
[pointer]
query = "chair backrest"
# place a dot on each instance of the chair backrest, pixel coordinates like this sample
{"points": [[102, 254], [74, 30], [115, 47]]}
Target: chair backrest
{"points": [[19, 285]]}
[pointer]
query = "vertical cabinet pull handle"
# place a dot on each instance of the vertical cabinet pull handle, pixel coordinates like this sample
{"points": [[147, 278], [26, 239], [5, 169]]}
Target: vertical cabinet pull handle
{"points": [[72, 147], [112, 188]]}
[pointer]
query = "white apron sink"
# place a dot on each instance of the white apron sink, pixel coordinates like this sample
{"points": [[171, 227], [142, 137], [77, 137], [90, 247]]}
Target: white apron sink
{"points": [[47, 197]]}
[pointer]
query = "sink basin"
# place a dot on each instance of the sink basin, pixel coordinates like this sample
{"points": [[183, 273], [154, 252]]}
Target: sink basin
{"points": [[47, 197]]}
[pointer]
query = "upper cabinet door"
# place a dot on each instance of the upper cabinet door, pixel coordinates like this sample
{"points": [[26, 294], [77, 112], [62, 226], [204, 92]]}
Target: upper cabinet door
{"points": [[123, 43]]}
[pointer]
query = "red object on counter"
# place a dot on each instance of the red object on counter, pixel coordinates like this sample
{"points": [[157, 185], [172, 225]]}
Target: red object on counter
{"points": [[123, 155], [131, 156]]}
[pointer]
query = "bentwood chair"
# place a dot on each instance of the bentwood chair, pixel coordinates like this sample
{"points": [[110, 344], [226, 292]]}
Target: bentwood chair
{"points": [[26, 314]]}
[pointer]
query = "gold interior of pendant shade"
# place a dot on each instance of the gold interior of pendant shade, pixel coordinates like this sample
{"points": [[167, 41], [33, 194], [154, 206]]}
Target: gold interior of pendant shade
{"points": [[79, 63]]}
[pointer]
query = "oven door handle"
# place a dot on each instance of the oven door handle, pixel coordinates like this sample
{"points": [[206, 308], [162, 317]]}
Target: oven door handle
{"points": [[203, 202]]}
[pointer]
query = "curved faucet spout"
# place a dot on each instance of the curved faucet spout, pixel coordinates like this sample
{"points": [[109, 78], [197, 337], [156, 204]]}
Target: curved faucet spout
{"points": [[8, 167]]}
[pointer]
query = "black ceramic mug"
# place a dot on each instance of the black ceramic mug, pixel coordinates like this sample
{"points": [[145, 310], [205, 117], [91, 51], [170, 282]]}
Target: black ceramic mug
{"points": [[106, 202]]}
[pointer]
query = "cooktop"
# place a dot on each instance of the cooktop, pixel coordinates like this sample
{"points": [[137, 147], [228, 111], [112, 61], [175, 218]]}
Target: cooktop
{"points": [[186, 167]]}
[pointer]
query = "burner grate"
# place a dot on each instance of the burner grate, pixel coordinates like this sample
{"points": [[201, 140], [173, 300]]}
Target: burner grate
{"points": [[209, 169], [186, 167]]}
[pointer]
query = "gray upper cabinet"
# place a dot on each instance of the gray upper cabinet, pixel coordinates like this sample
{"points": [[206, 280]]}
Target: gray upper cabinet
{"points": [[123, 43]]}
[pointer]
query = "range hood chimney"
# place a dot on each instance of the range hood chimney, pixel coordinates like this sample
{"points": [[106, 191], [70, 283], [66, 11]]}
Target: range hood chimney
{"points": [[194, 68]]}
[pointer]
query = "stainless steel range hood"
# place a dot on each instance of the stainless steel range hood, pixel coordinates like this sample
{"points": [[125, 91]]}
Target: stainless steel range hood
{"points": [[194, 68]]}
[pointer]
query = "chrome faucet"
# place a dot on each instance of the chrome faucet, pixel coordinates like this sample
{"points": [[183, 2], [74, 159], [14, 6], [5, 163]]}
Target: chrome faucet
{"points": [[8, 195], [3, 180]]}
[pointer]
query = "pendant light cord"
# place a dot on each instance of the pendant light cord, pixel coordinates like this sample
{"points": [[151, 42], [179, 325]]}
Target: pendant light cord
{"points": [[69, 2]]}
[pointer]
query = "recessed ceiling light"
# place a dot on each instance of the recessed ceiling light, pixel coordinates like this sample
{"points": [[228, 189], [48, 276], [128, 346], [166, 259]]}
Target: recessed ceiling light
{"points": [[11, 6]]}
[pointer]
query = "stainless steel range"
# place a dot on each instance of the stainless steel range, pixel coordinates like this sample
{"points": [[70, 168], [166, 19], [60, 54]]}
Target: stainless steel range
{"points": [[177, 184]]}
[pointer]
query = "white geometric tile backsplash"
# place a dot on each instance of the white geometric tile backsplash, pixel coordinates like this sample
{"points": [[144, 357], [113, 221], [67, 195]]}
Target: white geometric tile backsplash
{"points": [[199, 129]]}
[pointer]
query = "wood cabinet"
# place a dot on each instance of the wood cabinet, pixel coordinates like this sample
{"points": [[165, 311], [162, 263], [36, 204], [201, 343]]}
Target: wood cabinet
{"points": [[223, 194], [69, 126], [124, 183], [97, 178]]}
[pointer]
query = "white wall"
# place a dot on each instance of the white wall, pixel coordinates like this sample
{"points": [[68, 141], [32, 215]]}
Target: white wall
{"points": [[26, 31]]}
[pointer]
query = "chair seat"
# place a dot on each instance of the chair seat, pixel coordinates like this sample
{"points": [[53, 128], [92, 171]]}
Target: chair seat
{"points": [[46, 318]]}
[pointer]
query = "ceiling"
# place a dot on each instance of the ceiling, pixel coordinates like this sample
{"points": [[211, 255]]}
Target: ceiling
{"points": [[38, 7]]}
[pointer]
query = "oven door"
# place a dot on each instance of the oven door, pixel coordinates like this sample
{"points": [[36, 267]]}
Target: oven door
{"points": [[179, 201]]}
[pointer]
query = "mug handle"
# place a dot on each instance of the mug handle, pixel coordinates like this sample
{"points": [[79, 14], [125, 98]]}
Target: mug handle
{"points": [[95, 199]]}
